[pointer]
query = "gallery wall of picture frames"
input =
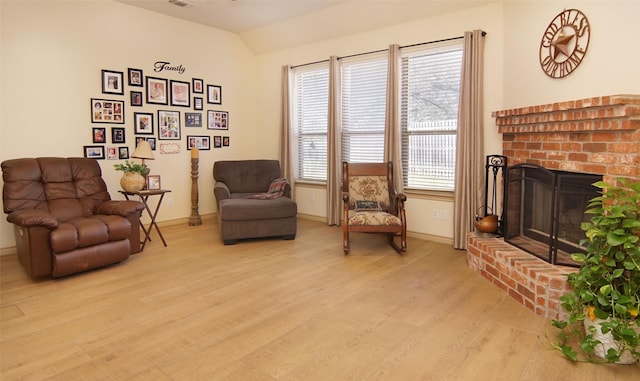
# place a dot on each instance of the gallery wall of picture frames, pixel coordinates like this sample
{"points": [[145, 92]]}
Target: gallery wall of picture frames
{"points": [[170, 105]]}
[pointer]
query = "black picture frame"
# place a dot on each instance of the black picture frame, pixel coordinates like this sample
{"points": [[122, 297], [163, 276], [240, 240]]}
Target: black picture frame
{"points": [[180, 93], [152, 143], [197, 103], [217, 142], [157, 91], [198, 85], [135, 77], [202, 142], [168, 125], [225, 141], [214, 94], [135, 98], [99, 135], [107, 111], [193, 119], [143, 123], [217, 120], [112, 82], [123, 153], [94, 152], [118, 135]]}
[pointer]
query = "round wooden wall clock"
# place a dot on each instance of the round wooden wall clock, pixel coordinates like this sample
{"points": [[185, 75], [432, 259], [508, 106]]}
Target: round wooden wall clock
{"points": [[564, 43]]}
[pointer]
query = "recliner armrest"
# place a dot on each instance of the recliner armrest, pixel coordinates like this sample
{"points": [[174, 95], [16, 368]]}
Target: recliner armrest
{"points": [[118, 207], [32, 217]]}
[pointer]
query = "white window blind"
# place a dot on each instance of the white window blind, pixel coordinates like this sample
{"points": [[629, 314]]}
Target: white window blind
{"points": [[310, 109], [429, 115], [364, 94]]}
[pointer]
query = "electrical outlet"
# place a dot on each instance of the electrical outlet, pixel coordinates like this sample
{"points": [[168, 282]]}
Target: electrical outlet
{"points": [[443, 215], [169, 202], [434, 214]]}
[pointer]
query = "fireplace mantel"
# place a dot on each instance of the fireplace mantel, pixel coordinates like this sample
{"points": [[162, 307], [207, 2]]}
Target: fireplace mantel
{"points": [[599, 135]]}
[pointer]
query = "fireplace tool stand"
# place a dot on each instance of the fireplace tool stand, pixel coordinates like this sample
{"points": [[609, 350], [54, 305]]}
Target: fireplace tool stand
{"points": [[491, 222]]}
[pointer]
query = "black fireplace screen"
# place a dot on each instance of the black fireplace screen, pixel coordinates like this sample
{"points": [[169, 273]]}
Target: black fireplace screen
{"points": [[544, 210]]}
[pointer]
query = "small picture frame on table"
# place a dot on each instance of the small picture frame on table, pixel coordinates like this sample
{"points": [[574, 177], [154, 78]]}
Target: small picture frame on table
{"points": [[198, 85], [94, 152], [112, 82], [135, 77], [214, 94], [153, 182], [118, 135]]}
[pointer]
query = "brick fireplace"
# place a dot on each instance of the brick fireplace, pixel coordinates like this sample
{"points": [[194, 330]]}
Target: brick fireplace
{"points": [[599, 135]]}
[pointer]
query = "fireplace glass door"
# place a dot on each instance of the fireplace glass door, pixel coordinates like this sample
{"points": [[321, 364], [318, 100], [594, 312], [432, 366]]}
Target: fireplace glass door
{"points": [[544, 211]]}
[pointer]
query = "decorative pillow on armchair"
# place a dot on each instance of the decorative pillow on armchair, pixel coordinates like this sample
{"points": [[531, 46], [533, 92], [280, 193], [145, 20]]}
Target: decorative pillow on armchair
{"points": [[366, 205], [276, 189]]}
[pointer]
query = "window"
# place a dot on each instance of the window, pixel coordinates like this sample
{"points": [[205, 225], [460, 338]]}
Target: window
{"points": [[430, 89], [364, 94], [309, 120]]}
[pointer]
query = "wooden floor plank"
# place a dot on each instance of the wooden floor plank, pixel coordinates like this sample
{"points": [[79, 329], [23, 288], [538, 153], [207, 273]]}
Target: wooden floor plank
{"points": [[273, 310]]}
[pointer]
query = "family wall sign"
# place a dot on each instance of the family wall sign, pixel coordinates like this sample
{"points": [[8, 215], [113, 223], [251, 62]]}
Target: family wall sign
{"points": [[160, 66]]}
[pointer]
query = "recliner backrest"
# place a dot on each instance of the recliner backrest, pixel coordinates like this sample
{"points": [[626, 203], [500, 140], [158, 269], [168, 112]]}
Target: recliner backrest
{"points": [[66, 187]]}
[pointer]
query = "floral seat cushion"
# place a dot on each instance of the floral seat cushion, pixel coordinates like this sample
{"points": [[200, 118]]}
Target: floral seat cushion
{"points": [[374, 218]]}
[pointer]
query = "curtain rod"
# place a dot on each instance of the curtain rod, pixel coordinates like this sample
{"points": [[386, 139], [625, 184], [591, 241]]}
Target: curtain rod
{"points": [[384, 50]]}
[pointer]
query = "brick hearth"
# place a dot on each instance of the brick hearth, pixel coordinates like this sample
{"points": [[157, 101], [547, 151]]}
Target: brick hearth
{"points": [[598, 135]]}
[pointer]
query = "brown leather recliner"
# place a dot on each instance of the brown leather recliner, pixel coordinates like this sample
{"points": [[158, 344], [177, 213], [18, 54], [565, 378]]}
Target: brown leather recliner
{"points": [[64, 219]]}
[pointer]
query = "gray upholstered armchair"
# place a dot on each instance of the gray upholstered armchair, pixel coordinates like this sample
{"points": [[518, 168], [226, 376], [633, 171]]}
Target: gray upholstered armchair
{"points": [[253, 200]]}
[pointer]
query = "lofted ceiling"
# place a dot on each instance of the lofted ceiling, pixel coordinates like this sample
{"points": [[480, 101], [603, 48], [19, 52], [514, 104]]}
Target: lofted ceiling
{"points": [[267, 25]]}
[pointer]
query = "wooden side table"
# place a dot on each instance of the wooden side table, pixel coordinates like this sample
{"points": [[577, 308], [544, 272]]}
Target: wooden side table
{"points": [[144, 197]]}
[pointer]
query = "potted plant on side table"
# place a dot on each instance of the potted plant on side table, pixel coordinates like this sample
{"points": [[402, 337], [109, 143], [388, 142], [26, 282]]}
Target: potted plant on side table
{"points": [[602, 308], [133, 178]]}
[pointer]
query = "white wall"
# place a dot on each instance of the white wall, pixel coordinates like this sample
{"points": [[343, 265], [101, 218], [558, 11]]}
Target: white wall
{"points": [[609, 67], [52, 54], [52, 57]]}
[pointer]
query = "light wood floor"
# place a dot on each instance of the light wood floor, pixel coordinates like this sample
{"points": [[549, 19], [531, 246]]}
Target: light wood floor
{"points": [[276, 310]]}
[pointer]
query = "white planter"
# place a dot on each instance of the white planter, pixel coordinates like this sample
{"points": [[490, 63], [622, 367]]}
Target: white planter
{"points": [[607, 341]]}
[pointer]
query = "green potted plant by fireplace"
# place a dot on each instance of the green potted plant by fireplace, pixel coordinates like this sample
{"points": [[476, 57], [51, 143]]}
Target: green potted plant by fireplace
{"points": [[602, 323]]}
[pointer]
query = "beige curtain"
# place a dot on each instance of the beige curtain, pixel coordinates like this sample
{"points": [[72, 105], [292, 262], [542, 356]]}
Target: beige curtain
{"points": [[469, 180], [334, 156], [392, 137], [285, 154]]}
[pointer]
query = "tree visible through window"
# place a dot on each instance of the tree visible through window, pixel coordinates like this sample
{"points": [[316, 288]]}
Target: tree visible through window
{"points": [[429, 116]]}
